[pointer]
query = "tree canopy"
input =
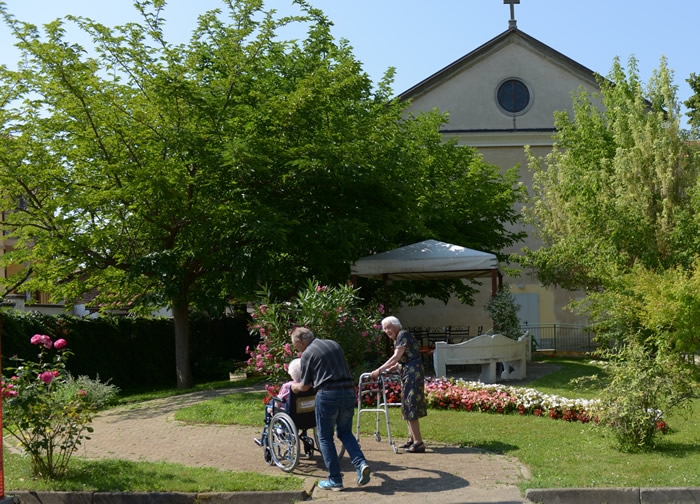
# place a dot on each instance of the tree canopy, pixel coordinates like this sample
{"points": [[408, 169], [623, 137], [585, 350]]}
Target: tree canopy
{"points": [[187, 175], [616, 204], [617, 188]]}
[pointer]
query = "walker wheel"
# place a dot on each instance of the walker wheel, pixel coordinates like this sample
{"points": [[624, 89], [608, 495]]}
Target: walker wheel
{"points": [[396, 449], [377, 437]]}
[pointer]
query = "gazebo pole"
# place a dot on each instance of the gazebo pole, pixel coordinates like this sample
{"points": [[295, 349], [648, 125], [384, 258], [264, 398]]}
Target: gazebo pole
{"points": [[495, 277], [385, 281]]}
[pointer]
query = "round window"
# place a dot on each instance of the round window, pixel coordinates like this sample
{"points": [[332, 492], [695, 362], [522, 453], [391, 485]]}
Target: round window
{"points": [[513, 96]]}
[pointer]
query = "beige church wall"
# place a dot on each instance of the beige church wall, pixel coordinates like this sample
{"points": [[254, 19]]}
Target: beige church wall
{"points": [[435, 313], [507, 157], [470, 95], [552, 303]]}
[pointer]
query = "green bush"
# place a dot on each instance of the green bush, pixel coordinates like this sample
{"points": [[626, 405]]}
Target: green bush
{"points": [[503, 310], [97, 394], [643, 388], [47, 417], [330, 312]]}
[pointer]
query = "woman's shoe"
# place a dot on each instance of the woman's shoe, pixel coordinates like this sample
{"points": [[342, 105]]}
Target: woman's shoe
{"points": [[407, 444], [416, 448]]}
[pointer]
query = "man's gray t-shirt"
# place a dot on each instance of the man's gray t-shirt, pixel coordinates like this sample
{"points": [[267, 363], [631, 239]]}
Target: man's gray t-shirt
{"points": [[322, 363]]}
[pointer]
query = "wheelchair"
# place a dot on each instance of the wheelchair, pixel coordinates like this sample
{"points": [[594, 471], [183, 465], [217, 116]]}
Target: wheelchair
{"points": [[286, 430]]}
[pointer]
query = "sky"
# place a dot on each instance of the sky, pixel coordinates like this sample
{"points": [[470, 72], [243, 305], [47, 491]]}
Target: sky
{"points": [[420, 37]]}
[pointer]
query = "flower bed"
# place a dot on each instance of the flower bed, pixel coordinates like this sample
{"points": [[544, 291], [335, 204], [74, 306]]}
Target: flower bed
{"points": [[458, 394]]}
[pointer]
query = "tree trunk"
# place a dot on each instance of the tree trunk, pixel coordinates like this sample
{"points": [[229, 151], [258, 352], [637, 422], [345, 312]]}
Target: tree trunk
{"points": [[183, 366]]}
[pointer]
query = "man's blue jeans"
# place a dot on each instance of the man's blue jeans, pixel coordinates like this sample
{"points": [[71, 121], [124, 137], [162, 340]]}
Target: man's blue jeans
{"points": [[334, 411]]}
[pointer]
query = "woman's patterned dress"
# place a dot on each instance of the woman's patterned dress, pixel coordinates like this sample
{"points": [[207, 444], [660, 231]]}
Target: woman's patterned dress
{"points": [[412, 377]]}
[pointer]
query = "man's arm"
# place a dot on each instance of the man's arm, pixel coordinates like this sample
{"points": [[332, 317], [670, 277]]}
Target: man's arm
{"points": [[300, 387]]}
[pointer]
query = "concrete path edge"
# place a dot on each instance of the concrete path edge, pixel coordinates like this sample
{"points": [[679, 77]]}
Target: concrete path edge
{"points": [[657, 495], [156, 498]]}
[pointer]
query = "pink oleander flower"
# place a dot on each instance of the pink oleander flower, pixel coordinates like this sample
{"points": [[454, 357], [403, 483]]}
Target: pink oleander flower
{"points": [[381, 309], [59, 343], [263, 309], [321, 288], [82, 393]]}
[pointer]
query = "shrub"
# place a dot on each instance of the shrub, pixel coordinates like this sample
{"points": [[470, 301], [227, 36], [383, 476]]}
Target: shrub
{"points": [[503, 310], [643, 387], [330, 312], [45, 410], [97, 394]]}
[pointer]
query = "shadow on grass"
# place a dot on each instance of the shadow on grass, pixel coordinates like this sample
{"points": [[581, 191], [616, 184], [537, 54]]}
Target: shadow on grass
{"points": [[497, 447], [676, 449], [571, 369]]}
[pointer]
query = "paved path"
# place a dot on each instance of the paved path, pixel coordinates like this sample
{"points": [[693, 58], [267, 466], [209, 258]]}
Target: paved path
{"points": [[444, 474]]}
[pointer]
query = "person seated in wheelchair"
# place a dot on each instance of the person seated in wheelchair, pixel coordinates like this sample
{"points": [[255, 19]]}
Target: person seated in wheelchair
{"points": [[281, 402], [300, 407]]}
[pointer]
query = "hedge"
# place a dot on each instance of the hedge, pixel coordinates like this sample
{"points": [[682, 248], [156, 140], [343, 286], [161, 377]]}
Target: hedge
{"points": [[132, 353]]}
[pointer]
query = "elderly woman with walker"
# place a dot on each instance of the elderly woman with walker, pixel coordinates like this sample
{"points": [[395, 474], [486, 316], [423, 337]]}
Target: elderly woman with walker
{"points": [[407, 359]]}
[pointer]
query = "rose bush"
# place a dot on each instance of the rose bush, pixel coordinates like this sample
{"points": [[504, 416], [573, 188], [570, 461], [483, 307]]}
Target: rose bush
{"points": [[331, 312], [44, 410]]}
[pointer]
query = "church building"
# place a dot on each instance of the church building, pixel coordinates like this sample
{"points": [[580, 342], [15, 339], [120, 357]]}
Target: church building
{"points": [[501, 97]]}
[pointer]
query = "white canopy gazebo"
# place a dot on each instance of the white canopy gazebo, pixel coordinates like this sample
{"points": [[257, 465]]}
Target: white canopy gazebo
{"points": [[429, 260]]}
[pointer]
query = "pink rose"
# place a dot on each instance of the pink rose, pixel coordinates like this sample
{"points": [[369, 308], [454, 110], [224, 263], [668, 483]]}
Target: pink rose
{"points": [[59, 343], [47, 376], [37, 339]]}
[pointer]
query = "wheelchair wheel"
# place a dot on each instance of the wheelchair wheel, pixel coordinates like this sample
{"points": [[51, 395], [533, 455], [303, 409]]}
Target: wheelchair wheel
{"points": [[339, 448], [283, 441]]}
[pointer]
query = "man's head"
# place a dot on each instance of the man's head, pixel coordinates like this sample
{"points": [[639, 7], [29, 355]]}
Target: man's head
{"points": [[301, 338]]}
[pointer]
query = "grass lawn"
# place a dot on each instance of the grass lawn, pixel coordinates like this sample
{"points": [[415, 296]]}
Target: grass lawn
{"points": [[559, 454]]}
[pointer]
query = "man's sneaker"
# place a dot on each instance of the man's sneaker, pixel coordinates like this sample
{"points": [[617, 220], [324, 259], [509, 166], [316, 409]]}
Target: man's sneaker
{"points": [[329, 485], [363, 474]]}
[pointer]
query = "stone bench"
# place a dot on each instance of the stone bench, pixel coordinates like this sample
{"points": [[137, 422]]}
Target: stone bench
{"points": [[486, 350]]}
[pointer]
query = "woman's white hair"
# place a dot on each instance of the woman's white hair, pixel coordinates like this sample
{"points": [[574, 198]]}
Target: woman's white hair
{"points": [[392, 321], [294, 370]]}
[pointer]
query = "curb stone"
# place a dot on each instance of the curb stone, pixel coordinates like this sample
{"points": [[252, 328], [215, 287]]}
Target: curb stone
{"points": [[660, 495], [156, 498]]}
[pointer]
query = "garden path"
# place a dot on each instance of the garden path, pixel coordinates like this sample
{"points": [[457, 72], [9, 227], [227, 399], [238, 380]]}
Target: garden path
{"points": [[444, 474]]}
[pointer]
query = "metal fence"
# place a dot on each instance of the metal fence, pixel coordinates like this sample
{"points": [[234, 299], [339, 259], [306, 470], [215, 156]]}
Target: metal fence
{"points": [[561, 337]]}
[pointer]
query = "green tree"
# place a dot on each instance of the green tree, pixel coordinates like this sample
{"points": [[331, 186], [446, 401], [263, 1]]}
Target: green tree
{"points": [[693, 104], [616, 189], [616, 206], [186, 175], [503, 310]]}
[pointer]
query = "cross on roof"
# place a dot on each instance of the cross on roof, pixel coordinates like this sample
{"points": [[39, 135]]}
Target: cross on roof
{"points": [[512, 23]]}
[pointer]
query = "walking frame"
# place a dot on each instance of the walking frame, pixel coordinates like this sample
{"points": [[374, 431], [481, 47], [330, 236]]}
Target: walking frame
{"points": [[366, 387]]}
